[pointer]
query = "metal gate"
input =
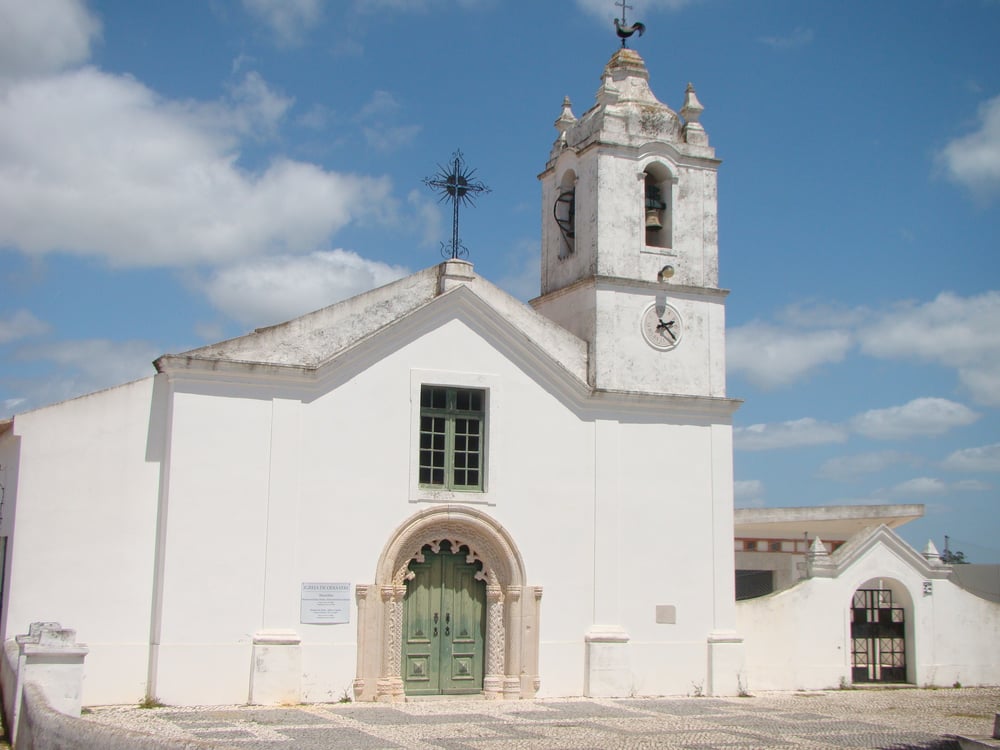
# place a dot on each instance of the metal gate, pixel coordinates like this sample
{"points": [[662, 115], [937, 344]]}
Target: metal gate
{"points": [[878, 638]]}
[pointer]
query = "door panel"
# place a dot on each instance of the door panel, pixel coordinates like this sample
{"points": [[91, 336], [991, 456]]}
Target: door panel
{"points": [[419, 664], [443, 626], [462, 602]]}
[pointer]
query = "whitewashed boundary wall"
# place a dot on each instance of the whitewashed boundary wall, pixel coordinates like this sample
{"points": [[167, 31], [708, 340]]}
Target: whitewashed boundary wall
{"points": [[41, 676], [800, 638], [43, 728]]}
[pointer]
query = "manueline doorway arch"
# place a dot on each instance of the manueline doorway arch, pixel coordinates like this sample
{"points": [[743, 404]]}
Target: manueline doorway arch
{"points": [[512, 606]]}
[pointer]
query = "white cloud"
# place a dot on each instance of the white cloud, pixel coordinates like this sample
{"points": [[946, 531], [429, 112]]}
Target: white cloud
{"points": [[210, 331], [381, 104], [982, 458], [972, 485], [19, 325], [822, 314], [799, 432], [44, 36], [748, 493], [317, 118], [973, 160], [922, 417], [920, 486], [258, 108], [982, 382], [11, 405], [770, 356], [387, 138], [953, 331], [288, 19], [800, 37], [275, 289], [84, 366], [935, 486], [962, 333], [101, 165], [428, 213], [380, 115], [846, 468]]}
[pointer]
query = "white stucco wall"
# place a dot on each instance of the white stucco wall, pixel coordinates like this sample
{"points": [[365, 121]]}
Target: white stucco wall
{"points": [[270, 484], [84, 509], [338, 479], [799, 638]]}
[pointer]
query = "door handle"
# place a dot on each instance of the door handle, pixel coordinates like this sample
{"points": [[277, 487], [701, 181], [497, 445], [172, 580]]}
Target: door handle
{"points": [[435, 624], [447, 623]]}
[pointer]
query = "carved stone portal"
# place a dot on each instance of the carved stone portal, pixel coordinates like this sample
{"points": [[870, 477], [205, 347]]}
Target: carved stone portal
{"points": [[512, 608]]}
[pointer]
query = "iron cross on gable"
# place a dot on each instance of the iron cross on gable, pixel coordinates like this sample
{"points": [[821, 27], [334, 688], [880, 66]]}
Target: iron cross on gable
{"points": [[624, 31], [457, 183]]}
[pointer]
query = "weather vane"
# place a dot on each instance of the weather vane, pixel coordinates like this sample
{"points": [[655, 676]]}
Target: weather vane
{"points": [[457, 183], [623, 31]]}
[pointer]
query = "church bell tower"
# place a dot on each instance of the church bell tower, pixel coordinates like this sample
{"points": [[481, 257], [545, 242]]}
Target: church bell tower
{"points": [[629, 238]]}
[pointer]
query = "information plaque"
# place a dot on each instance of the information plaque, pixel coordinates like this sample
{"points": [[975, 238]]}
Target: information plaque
{"points": [[325, 603]]}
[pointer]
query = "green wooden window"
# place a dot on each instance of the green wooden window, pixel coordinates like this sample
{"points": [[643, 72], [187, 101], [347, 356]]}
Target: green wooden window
{"points": [[451, 437]]}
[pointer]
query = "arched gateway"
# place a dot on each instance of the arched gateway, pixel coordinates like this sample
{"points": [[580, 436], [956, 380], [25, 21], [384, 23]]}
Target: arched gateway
{"points": [[511, 609], [879, 627]]}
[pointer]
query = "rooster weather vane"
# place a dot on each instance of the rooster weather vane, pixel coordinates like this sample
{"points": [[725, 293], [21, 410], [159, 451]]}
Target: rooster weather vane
{"points": [[456, 182], [623, 31]]}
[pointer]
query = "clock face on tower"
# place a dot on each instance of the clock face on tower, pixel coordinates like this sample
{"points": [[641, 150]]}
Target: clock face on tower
{"points": [[662, 327]]}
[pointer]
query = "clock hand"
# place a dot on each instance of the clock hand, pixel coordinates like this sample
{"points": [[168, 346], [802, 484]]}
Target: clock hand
{"points": [[666, 327]]}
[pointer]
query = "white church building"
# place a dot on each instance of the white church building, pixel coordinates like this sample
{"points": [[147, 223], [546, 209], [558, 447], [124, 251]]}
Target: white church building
{"points": [[434, 489]]}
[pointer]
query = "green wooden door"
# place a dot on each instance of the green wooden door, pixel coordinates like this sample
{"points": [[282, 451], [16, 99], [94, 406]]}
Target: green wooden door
{"points": [[443, 626]]}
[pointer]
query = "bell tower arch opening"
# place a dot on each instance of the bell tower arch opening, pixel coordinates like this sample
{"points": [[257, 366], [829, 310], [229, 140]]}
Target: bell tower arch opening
{"points": [[564, 213], [658, 206], [510, 612]]}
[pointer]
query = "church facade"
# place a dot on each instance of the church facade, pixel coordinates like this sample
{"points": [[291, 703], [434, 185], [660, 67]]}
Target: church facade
{"points": [[431, 488]]}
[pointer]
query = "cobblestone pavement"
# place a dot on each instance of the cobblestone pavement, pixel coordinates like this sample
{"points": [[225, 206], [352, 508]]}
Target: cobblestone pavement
{"points": [[900, 719]]}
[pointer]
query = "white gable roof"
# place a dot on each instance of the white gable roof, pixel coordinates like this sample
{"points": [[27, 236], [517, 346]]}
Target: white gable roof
{"points": [[318, 338], [306, 349]]}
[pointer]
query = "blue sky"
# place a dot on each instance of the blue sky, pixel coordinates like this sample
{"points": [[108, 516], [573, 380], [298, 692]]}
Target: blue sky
{"points": [[172, 174]]}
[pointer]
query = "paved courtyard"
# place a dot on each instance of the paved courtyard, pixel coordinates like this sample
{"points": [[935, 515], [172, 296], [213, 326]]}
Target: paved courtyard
{"points": [[899, 719]]}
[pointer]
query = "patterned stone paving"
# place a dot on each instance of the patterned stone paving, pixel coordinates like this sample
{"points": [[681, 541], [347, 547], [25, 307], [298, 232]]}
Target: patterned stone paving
{"points": [[900, 719]]}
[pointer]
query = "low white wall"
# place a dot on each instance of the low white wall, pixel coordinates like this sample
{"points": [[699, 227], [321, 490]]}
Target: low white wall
{"points": [[800, 639], [8, 680], [42, 728]]}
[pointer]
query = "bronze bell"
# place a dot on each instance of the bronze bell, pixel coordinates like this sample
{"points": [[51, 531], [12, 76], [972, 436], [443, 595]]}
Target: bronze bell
{"points": [[653, 222], [654, 204]]}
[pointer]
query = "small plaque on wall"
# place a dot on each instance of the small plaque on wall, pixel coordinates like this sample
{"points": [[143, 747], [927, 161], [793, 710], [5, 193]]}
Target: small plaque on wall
{"points": [[666, 614], [325, 603]]}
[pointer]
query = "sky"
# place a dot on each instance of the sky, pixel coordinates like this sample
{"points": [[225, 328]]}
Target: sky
{"points": [[174, 174]]}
